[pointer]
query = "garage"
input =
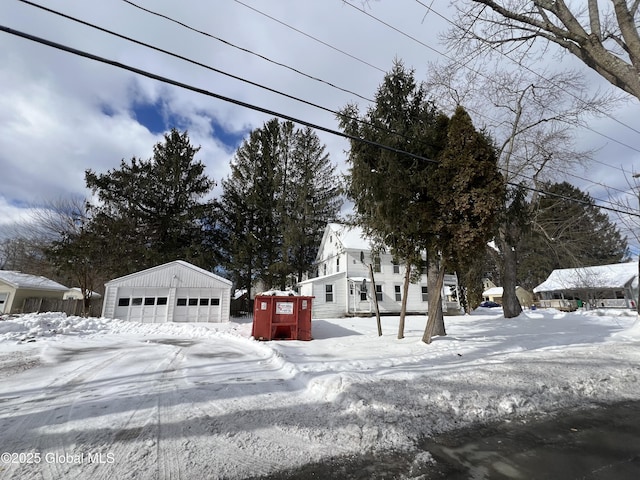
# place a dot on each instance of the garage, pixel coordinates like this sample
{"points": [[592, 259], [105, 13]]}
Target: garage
{"points": [[174, 292]]}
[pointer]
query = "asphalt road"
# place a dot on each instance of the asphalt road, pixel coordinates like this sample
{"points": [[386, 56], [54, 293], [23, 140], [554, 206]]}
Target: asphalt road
{"points": [[602, 442]]}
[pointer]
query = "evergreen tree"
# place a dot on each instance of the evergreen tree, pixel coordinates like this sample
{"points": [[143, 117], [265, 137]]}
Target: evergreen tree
{"points": [[471, 195], [390, 190], [153, 207], [275, 205], [569, 231]]}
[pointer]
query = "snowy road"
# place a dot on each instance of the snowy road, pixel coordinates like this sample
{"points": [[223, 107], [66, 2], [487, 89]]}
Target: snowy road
{"points": [[100, 399]]}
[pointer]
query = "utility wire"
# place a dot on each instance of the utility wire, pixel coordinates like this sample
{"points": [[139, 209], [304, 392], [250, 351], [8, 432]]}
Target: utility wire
{"points": [[246, 50], [240, 103], [493, 47], [310, 36]]}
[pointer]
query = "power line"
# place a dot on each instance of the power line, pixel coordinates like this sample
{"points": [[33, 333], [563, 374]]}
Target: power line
{"points": [[310, 36], [246, 50], [240, 103]]}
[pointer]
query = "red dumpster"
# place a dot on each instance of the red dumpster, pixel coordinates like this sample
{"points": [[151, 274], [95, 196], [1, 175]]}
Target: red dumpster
{"points": [[281, 318]]}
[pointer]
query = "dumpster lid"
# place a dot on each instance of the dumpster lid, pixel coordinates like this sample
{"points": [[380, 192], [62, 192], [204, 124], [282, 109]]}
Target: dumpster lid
{"points": [[278, 293]]}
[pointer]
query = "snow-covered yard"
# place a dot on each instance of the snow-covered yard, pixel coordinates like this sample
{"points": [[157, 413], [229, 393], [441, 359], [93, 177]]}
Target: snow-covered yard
{"points": [[98, 398]]}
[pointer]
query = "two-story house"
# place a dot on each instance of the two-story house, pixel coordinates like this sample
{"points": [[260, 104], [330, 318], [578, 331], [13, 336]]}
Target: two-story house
{"points": [[341, 283]]}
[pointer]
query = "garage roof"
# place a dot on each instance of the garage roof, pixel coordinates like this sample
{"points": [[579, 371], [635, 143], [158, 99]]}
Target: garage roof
{"points": [[26, 281]]}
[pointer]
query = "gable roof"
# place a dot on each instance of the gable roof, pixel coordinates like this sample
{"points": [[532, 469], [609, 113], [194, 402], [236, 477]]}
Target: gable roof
{"points": [[33, 282], [352, 238], [164, 266], [618, 275]]}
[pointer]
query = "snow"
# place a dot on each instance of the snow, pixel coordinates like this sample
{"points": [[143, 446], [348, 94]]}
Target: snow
{"points": [[103, 398]]}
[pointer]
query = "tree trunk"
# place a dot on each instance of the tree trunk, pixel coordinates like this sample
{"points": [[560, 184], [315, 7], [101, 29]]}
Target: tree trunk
{"points": [[510, 303], [375, 299], [405, 292], [435, 317]]}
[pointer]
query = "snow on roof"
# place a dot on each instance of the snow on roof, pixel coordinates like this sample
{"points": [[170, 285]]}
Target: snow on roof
{"points": [[602, 276], [351, 237], [33, 282], [493, 291]]}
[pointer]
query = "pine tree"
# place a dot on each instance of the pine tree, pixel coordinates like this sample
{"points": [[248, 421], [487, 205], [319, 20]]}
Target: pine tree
{"points": [[153, 207], [391, 192], [275, 205], [471, 195], [569, 231]]}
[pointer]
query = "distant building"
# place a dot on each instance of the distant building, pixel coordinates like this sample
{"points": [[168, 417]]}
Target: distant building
{"points": [[341, 282], [494, 294], [16, 287], [603, 286]]}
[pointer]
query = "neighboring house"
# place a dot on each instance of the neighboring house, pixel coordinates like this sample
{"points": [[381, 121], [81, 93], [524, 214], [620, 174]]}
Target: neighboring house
{"points": [[494, 294], [609, 286], [75, 293], [174, 292], [16, 287], [341, 282]]}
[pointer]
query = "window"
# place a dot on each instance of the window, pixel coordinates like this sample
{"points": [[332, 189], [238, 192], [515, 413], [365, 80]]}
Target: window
{"points": [[398, 293], [337, 264], [324, 269], [123, 302], [161, 301], [328, 293], [136, 301], [149, 300], [182, 302], [193, 302], [204, 302], [363, 293], [425, 294], [396, 267], [379, 293], [376, 265], [215, 302]]}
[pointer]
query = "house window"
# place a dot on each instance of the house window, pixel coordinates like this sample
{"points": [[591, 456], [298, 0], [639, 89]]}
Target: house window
{"points": [[398, 293], [425, 294], [136, 301], [363, 293], [149, 300], [328, 293], [396, 267], [161, 301], [204, 302], [193, 302], [376, 265], [379, 293], [337, 264], [182, 302], [324, 269], [215, 302], [123, 302]]}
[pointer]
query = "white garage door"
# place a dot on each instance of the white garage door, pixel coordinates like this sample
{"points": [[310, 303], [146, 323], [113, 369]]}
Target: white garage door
{"points": [[147, 305], [197, 305]]}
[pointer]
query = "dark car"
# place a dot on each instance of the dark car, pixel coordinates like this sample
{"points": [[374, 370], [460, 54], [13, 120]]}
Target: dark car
{"points": [[490, 304]]}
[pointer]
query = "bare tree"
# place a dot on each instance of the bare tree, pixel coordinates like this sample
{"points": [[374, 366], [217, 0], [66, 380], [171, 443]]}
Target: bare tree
{"points": [[603, 35], [531, 119]]}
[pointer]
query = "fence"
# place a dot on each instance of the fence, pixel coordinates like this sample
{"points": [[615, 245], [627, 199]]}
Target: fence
{"points": [[69, 306]]}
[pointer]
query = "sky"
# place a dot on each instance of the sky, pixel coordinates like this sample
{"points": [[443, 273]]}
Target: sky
{"points": [[61, 114], [204, 400]]}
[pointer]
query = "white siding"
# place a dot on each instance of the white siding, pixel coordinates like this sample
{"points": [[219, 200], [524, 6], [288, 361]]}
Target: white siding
{"points": [[176, 291]]}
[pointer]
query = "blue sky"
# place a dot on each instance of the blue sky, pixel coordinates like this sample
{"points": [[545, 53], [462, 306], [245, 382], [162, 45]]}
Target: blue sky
{"points": [[61, 114]]}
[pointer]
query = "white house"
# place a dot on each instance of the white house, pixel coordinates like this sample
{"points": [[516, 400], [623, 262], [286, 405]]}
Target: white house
{"points": [[16, 287], [613, 286], [76, 293], [341, 282], [174, 292]]}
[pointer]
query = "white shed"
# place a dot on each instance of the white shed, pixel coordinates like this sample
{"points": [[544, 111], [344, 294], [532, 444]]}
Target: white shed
{"points": [[174, 292]]}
